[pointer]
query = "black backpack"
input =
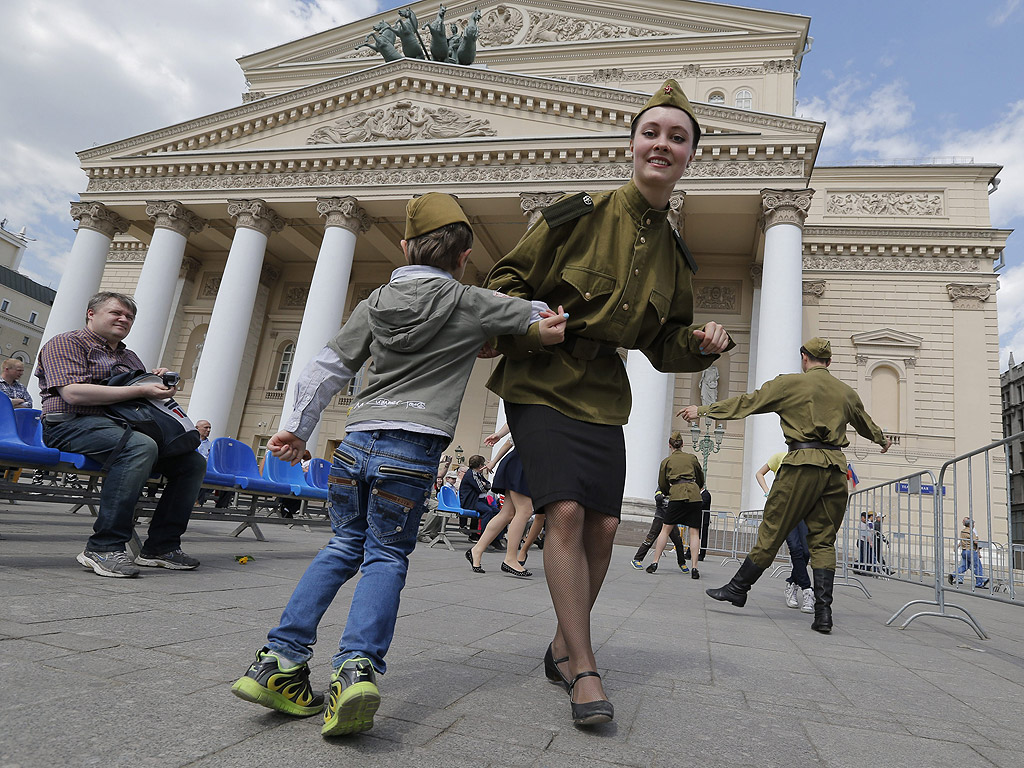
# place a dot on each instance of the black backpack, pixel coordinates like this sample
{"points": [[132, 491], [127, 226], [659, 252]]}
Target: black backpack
{"points": [[163, 420]]}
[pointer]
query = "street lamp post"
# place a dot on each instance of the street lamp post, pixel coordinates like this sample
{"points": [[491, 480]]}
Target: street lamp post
{"points": [[705, 443]]}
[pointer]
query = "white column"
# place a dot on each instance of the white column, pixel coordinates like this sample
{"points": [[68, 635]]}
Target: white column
{"points": [[325, 304], [646, 433], [746, 500], [83, 270], [154, 292], [779, 320], [217, 378]]}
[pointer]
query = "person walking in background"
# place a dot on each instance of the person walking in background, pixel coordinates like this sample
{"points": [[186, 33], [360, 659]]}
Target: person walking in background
{"points": [[798, 585], [970, 556], [680, 478], [814, 408]]}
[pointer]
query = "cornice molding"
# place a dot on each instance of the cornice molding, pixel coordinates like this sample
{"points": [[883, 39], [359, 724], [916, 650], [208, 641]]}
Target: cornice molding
{"points": [[921, 233], [752, 171], [99, 218], [170, 214], [785, 206], [255, 214], [344, 212]]}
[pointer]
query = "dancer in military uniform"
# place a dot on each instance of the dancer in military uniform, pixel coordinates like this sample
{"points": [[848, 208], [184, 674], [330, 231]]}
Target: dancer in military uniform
{"points": [[613, 261], [814, 408], [681, 478]]}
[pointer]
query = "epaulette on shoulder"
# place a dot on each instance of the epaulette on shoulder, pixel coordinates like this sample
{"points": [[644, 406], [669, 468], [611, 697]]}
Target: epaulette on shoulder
{"points": [[568, 209], [681, 245]]}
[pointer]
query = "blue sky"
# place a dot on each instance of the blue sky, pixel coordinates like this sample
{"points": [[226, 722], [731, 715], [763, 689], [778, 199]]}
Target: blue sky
{"points": [[893, 79]]}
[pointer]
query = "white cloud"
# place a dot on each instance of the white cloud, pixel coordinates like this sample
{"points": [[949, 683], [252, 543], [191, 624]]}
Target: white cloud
{"points": [[1010, 298], [81, 74], [1004, 12]]}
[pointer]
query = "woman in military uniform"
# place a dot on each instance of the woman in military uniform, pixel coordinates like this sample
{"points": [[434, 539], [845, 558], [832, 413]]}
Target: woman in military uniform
{"points": [[680, 479], [614, 263]]}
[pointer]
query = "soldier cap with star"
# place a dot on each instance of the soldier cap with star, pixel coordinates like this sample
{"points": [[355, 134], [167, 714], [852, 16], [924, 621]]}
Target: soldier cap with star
{"points": [[432, 211], [670, 95], [818, 347]]}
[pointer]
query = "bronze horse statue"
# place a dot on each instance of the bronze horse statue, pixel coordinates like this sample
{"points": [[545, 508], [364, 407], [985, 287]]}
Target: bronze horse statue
{"points": [[438, 38], [467, 47], [409, 33]]}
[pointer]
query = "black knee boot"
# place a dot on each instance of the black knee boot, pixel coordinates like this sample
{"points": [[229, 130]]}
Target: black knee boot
{"points": [[824, 579], [736, 590]]}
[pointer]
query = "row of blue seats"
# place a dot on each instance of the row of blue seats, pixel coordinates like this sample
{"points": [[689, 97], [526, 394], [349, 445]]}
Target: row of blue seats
{"points": [[231, 464]]}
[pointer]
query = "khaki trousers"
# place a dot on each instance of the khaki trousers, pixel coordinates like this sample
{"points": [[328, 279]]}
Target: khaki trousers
{"points": [[816, 495]]}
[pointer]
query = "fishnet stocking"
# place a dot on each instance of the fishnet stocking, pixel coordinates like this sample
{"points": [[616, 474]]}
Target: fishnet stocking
{"points": [[577, 551]]}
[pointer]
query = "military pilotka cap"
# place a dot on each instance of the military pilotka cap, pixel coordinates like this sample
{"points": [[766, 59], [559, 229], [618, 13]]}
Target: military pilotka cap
{"points": [[670, 95], [432, 211], [818, 347], [676, 436]]}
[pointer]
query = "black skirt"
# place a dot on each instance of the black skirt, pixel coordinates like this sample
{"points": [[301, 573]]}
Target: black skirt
{"points": [[510, 476], [688, 513], [569, 460]]}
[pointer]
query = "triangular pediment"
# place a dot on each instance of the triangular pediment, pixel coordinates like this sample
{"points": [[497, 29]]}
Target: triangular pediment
{"points": [[426, 102], [887, 338]]}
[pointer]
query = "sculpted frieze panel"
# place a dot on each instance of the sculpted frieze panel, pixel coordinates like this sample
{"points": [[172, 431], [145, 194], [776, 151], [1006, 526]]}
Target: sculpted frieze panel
{"points": [[896, 264], [884, 204], [210, 286], [605, 171], [401, 122], [551, 27], [500, 25], [717, 297], [294, 295]]}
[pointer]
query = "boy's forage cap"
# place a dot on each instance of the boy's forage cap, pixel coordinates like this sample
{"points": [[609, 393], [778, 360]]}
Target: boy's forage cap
{"points": [[432, 211], [818, 347], [670, 95]]}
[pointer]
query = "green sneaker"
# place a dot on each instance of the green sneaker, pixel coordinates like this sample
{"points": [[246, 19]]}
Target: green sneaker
{"points": [[354, 699], [285, 689]]}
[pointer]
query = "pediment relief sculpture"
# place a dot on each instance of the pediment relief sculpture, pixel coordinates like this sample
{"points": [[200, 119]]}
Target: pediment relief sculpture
{"points": [[884, 204], [400, 122], [551, 28]]}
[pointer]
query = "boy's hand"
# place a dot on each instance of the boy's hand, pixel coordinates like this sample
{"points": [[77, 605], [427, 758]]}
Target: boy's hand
{"points": [[712, 339], [286, 446], [552, 327], [487, 352]]}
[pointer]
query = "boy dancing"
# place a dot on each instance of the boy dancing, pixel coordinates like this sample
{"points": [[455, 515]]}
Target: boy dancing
{"points": [[423, 331]]}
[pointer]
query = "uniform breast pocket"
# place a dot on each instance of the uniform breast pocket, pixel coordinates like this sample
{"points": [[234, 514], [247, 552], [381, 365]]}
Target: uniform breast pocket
{"points": [[660, 304], [590, 283], [396, 503]]}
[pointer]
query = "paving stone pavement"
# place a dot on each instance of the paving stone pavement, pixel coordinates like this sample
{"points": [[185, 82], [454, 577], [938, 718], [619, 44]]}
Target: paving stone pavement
{"points": [[112, 672]]}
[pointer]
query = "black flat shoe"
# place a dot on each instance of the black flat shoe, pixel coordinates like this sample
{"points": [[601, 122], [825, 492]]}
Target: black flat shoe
{"points": [[694, 573], [523, 561], [476, 568], [652, 568], [506, 568], [592, 712], [551, 670]]}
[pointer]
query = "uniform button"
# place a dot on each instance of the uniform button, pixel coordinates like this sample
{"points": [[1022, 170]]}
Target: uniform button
{"points": [[643, 239], [586, 295], [648, 221], [636, 271], [663, 321], [625, 306]]}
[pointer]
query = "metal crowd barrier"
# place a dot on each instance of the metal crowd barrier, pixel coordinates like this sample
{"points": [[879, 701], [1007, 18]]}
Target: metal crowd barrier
{"points": [[965, 489]]}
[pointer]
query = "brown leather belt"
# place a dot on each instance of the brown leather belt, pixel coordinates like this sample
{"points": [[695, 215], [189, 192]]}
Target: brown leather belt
{"points": [[587, 349], [815, 444]]}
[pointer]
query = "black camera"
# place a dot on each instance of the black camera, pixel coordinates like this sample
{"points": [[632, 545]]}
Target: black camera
{"points": [[171, 379]]}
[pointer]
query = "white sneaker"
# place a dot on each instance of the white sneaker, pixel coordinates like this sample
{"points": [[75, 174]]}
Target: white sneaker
{"points": [[791, 591], [808, 605]]}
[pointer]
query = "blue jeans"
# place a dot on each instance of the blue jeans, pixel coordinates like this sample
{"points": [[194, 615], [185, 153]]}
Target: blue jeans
{"points": [[970, 561], [96, 437], [379, 482], [800, 554]]}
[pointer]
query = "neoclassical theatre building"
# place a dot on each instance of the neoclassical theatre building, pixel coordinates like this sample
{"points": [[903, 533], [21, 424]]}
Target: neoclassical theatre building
{"points": [[248, 235]]}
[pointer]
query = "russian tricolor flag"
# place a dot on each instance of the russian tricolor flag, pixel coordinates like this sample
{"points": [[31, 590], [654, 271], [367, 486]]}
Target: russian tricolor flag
{"points": [[851, 475]]}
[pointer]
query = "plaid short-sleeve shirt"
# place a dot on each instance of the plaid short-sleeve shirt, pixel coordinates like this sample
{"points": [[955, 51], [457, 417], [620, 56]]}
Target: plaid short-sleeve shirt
{"points": [[16, 390], [79, 357]]}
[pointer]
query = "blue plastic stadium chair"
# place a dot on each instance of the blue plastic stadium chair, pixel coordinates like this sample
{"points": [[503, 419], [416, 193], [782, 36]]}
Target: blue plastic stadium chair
{"points": [[318, 473], [30, 429], [278, 471], [16, 450], [448, 501], [234, 463]]}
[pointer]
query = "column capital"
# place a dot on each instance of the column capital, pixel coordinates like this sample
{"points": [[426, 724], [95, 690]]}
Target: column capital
{"points": [[813, 290], [968, 295], [189, 268], [255, 214], [170, 214], [98, 217], [675, 211], [345, 212], [533, 203], [269, 275], [785, 206]]}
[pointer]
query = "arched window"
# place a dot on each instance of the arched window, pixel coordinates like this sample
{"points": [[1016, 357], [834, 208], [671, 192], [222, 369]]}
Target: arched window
{"points": [[885, 398], [744, 99], [285, 368], [716, 97]]}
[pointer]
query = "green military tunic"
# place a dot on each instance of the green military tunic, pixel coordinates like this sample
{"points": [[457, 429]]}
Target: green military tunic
{"points": [[810, 484], [681, 477], [624, 282]]}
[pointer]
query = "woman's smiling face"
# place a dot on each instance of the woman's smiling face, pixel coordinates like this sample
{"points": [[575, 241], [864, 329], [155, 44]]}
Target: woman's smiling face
{"points": [[662, 147]]}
